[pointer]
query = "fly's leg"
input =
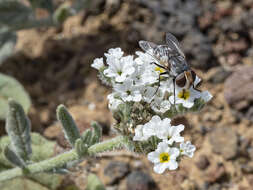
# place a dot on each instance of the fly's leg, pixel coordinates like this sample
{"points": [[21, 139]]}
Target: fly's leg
{"points": [[158, 65], [174, 91], [159, 80]]}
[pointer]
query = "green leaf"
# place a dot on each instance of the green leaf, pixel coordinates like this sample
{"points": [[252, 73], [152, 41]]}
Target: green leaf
{"points": [[14, 158], [11, 88], [13, 13], [18, 128], [68, 124], [7, 44], [44, 4], [94, 183], [22, 184], [42, 150]]}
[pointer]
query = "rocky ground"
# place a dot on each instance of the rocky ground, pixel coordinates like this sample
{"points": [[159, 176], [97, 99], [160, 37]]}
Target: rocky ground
{"points": [[53, 64]]}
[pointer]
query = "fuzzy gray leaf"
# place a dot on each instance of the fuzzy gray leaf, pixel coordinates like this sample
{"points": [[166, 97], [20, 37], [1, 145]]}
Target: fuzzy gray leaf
{"points": [[44, 4], [11, 88], [68, 124], [13, 158], [18, 129], [94, 183], [13, 13], [7, 43]]}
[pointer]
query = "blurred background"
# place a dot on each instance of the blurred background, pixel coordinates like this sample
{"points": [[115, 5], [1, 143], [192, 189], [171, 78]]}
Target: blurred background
{"points": [[48, 47]]}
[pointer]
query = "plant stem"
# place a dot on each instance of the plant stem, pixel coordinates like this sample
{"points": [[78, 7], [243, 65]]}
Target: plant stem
{"points": [[62, 159]]}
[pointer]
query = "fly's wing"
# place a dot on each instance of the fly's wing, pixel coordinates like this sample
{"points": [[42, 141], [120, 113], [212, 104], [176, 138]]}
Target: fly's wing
{"points": [[162, 51], [173, 43], [148, 47], [156, 51]]}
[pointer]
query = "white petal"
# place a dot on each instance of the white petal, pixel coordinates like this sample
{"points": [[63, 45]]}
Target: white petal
{"points": [[188, 104], [120, 78], [154, 157], [138, 133], [156, 119], [98, 63], [206, 96], [160, 168], [174, 153], [197, 81], [173, 165]]}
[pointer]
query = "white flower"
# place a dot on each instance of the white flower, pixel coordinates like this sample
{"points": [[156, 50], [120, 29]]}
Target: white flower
{"points": [[187, 149], [161, 129], [150, 76], [171, 134], [151, 128], [113, 102], [137, 75], [127, 91], [206, 96], [164, 157], [114, 53], [98, 63], [139, 136], [148, 93], [144, 58], [185, 96], [160, 105], [119, 67], [147, 130]]}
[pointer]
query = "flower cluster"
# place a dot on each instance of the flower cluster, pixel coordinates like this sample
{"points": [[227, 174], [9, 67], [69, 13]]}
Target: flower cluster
{"points": [[142, 104], [171, 144], [136, 80]]}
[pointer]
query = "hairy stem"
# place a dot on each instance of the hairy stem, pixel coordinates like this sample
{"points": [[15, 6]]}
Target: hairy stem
{"points": [[62, 159]]}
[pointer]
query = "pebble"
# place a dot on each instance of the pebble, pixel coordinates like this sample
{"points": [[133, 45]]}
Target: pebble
{"points": [[139, 180], [202, 162], [238, 90], [216, 173], [219, 75], [198, 47], [224, 141], [115, 171]]}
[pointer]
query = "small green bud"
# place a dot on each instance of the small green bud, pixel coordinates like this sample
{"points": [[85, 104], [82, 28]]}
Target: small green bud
{"points": [[81, 148], [68, 124], [86, 137], [96, 133]]}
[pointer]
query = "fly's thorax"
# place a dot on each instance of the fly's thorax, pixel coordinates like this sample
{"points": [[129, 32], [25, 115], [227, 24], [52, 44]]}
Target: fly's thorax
{"points": [[178, 65]]}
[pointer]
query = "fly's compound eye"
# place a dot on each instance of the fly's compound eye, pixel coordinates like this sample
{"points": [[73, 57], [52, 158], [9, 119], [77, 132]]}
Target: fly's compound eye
{"points": [[181, 80]]}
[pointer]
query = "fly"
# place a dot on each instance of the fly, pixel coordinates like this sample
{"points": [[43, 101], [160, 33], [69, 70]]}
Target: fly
{"points": [[171, 59]]}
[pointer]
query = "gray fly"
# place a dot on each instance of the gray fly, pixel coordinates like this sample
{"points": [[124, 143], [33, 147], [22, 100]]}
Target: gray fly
{"points": [[171, 58]]}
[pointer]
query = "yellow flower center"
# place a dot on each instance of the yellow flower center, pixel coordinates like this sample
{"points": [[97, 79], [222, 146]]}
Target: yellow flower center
{"points": [[184, 94], [164, 157], [160, 70]]}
